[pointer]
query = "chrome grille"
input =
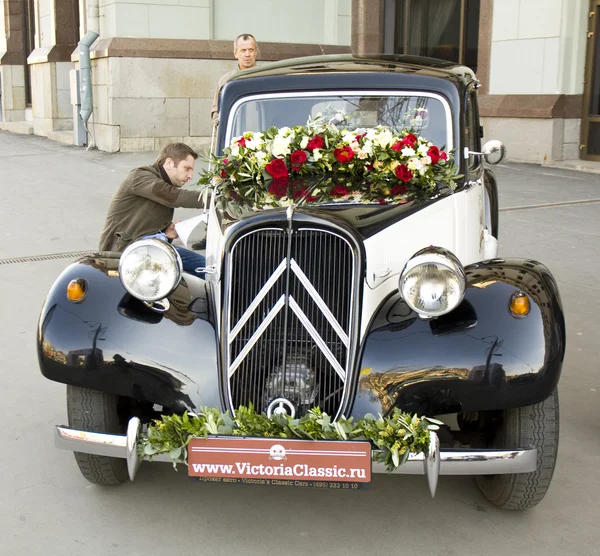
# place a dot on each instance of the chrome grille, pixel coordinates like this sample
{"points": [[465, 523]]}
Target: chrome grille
{"points": [[289, 318]]}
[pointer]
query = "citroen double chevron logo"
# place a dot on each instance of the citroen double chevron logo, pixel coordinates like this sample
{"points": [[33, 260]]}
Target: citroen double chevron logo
{"points": [[291, 303]]}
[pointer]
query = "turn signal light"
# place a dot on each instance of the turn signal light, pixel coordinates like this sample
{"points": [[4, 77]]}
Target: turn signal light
{"points": [[519, 305], [76, 290]]}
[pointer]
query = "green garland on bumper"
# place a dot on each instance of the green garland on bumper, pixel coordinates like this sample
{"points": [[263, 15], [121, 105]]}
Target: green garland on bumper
{"points": [[395, 436]]}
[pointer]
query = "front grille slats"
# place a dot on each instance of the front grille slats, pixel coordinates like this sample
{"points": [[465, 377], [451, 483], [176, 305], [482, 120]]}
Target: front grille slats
{"points": [[287, 361]]}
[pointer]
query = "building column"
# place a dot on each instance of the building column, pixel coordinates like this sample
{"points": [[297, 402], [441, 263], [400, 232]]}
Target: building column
{"points": [[57, 32], [367, 26], [12, 60]]}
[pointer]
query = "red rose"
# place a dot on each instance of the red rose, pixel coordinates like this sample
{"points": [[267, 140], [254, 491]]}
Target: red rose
{"points": [[223, 173], [316, 142], [434, 154], [343, 155], [410, 140], [398, 146], [340, 191], [398, 190], [279, 187], [443, 155], [382, 201], [369, 167], [297, 159], [241, 142], [277, 168], [360, 136], [225, 161], [403, 173]]}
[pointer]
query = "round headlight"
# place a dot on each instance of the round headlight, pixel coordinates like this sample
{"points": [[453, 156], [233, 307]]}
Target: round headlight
{"points": [[433, 282], [150, 269]]}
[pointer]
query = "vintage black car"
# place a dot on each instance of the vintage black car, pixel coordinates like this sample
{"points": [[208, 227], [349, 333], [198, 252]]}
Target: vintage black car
{"points": [[355, 306]]}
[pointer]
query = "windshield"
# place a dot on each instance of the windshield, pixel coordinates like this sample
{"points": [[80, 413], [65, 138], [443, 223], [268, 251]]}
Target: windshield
{"points": [[424, 114]]}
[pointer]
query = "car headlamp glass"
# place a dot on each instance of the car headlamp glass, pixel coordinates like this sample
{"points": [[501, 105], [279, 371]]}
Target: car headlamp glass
{"points": [[150, 269], [432, 284]]}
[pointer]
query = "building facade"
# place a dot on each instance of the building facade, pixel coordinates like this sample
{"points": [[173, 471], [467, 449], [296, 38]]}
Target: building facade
{"points": [[156, 62]]}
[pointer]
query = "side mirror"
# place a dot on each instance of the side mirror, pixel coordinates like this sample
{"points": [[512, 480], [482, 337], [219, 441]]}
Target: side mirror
{"points": [[494, 152]]}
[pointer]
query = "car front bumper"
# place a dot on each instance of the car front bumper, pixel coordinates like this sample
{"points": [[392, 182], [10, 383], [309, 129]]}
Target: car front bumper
{"points": [[432, 464]]}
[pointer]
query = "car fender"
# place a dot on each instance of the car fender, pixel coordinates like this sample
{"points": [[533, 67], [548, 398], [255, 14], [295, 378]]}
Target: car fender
{"points": [[477, 357], [112, 342]]}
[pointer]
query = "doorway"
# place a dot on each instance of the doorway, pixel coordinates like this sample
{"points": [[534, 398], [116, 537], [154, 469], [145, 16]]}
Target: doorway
{"points": [[590, 120]]}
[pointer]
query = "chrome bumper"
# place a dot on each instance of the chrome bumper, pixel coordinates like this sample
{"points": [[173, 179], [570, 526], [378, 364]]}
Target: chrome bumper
{"points": [[433, 464]]}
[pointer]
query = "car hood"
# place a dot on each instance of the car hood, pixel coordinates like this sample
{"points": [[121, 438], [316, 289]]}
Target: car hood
{"points": [[365, 219]]}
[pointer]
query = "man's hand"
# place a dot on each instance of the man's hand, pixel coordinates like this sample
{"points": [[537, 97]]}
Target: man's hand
{"points": [[171, 232]]}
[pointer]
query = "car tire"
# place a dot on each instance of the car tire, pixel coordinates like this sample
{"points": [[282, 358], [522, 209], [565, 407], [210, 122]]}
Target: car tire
{"points": [[94, 411], [530, 426]]}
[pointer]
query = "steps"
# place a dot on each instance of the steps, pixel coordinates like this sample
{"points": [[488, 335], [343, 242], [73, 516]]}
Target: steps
{"points": [[65, 137], [24, 128]]}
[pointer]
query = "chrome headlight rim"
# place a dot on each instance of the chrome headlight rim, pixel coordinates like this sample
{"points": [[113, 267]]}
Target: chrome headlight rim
{"points": [[166, 248], [438, 256]]}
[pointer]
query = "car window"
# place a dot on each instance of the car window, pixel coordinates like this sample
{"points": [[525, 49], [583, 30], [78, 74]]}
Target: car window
{"points": [[424, 114]]}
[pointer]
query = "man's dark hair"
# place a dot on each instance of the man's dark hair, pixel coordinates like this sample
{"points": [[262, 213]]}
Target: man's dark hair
{"points": [[176, 152], [244, 36]]}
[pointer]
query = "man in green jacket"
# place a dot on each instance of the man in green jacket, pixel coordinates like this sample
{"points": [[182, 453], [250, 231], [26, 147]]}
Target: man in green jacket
{"points": [[145, 201]]}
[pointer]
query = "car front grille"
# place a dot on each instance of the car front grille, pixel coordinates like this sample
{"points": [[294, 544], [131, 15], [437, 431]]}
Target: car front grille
{"points": [[289, 319]]}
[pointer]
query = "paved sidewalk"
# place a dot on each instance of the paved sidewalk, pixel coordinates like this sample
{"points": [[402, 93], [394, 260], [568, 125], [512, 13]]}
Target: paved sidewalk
{"points": [[53, 199]]}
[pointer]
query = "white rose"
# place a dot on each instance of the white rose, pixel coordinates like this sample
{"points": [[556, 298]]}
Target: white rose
{"points": [[426, 160], [384, 138], [423, 149], [348, 137], [368, 147], [407, 151], [414, 164], [371, 134], [281, 146], [235, 151], [362, 154]]}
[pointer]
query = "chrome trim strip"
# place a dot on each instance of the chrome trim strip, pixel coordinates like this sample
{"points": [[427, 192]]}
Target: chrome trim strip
{"points": [[317, 93], [317, 338], [256, 301], [470, 462], [259, 332], [319, 301], [97, 443]]}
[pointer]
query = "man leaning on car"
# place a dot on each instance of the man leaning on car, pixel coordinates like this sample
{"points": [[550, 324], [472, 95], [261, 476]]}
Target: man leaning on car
{"points": [[144, 203]]}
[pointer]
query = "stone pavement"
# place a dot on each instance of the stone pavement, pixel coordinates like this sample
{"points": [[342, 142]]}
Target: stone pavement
{"points": [[53, 199]]}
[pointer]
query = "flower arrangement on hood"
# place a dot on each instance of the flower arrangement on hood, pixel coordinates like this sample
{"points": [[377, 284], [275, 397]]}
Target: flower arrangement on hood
{"points": [[319, 163]]}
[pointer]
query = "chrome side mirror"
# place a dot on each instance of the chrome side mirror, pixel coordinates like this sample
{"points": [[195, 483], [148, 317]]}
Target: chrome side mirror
{"points": [[494, 152]]}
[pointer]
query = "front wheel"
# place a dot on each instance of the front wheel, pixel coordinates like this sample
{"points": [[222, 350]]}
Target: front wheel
{"points": [[94, 411], [534, 426]]}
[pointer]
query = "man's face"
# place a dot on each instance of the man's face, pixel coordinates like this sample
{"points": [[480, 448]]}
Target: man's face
{"points": [[181, 173], [245, 53]]}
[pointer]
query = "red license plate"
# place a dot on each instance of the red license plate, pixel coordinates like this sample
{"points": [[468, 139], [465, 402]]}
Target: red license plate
{"points": [[279, 461]]}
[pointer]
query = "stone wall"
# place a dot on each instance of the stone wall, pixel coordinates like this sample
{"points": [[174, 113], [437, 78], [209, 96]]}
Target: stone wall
{"points": [[535, 140], [12, 81], [142, 103]]}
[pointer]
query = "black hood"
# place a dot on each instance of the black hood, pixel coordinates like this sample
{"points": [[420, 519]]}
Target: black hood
{"points": [[365, 220]]}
